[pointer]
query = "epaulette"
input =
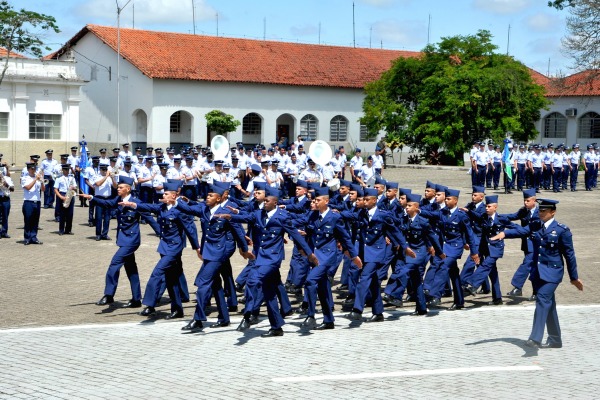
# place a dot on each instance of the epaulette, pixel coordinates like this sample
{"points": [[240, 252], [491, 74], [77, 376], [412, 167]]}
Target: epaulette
{"points": [[563, 226]]}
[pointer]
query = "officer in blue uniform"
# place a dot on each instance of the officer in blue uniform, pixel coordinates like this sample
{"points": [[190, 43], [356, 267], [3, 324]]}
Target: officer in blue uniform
{"points": [[379, 225], [33, 186], [268, 226], [476, 212], [128, 240], [213, 246], [170, 247], [553, 248]]}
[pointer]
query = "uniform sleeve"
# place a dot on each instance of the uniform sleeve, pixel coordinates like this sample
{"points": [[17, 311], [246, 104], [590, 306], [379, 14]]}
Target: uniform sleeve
{"points": [[568, 253]]}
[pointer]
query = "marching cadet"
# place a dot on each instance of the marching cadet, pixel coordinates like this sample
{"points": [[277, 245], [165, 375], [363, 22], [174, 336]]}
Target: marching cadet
{"points": [[213, 246], [103, 185], [574, 158], [423, 243], [170, 248], [268, 227], [6, 187], [324, 229], [33, 186], [553, 243], [128, 240], [48, 165], [62, 186], [489, 251], [526, 214], [456, 231], [378, 226]]}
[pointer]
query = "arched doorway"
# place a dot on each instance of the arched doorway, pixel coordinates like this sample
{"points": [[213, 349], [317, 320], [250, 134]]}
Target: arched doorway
{"points": [[252, 128], [140, 134], [286, 124], [180, 128]]}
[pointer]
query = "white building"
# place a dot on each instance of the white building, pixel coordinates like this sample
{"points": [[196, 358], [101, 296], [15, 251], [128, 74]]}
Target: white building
{"points": [[169, 81], [39, 107]]}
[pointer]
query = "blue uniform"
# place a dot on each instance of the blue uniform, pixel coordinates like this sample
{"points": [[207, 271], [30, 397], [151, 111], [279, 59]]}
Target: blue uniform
{"points": [[553, 247], [476, 213], [526, 217], [170, 247]]}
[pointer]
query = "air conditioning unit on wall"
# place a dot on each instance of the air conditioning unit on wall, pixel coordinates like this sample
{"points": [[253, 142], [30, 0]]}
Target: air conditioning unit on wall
{"points": [[571, 112]]}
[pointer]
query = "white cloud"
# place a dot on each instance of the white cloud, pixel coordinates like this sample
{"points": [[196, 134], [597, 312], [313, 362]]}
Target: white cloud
{"points": [[304, 30], [544, 45], [543, 22], [501, 6], [148, 12], [404, 33]]}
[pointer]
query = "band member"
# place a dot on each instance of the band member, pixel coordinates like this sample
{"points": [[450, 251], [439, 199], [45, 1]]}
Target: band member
{"points": [[33, 186], [6, 187], [62, 186], [103, 184], [48, 165]]}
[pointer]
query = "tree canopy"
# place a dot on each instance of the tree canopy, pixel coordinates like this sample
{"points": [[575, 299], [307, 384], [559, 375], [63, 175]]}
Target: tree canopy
{"points": [[22, 31], [221, 123], [457, 91]]}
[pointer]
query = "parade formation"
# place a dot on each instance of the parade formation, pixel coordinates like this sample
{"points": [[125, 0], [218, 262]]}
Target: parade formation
{"points": [[336, 211]]}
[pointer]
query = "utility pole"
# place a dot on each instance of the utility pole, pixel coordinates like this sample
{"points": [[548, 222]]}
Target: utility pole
{"points": [[194, 16], [353, 27]]}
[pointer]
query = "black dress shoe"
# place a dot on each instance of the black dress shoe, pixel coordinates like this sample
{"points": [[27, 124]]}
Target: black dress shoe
{"points": [[5, 236], [533, 344], [232, 308], [376, 318], [533, 297], [496, 302], [239, 288], [435, 302], [469, 290], [98, 238], [355, 316], [349, 300], [418, 313], [105, 238], [482, 291], [515, 292], [221, 324], [90, 224], [273, 332], [133, 304], [553, 345], [395, 302], [343, 287], [301, 310], [253, 320], [35, 241], [287, 314], [309, 322], [244, 325], [193, 326], [175, 314], [148, 311], [106, 299], [455, 307], [325, 325], [26, 243]]}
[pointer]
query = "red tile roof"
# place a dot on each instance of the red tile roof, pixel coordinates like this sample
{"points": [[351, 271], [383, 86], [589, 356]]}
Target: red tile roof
{"points": [[586, 83], [3, 53], [164, 55]]}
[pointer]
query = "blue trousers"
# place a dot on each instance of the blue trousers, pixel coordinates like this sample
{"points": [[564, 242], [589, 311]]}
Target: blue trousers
{"points": [[589, 175], [243, 276], [497, 171], [49, 195], [31, 216], [547, 176], [557, 179], [317, 284], [435, 263], [229, 283], [4, 213], [102, 221], [262, 286], [168, 269], [487, 268], [449, 268], [481, 171], [565, 176], [125, 256], [520, 176], [522, 272], [183, 286], [299, 268], [545, 316], [574, 175], [369, 285], [467, 272], [537, 178], [208, 282]]}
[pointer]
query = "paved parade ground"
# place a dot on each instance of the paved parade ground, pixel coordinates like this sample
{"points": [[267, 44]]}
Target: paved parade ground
{"points": [[56, 343]]}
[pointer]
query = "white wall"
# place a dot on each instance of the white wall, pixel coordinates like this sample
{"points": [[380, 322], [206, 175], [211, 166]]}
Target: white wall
{"points": [[560, 105]]}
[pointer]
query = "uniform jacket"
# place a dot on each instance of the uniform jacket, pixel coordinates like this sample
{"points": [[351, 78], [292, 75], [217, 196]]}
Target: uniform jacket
{"points": [[552, 248], [128, 221], [216, 232], [172, 228], [322, 236], [455, 230], [526, 217], [489, 229], [299, 207], [381, 225], [268, 240]]}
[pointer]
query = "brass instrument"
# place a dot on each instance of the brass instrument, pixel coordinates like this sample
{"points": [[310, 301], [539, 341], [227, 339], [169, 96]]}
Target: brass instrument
{"points": [[320, 152], [40, 177], [71, 192], [219, 146], [4, 188]]}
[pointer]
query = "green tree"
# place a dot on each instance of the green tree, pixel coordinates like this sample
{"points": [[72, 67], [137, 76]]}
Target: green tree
{"points": [[221, 123], [457, 91], [22, 32]]}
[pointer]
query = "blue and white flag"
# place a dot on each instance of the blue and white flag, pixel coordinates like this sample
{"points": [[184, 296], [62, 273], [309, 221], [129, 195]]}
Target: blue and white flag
{"points": [[84, 162]]}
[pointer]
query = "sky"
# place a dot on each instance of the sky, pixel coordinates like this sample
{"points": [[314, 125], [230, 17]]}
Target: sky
{"points": [[535, 29]]}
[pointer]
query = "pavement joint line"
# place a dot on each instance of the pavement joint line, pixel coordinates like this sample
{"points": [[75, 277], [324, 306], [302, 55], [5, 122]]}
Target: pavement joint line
{"points": [[396, 374], [236, 320]]}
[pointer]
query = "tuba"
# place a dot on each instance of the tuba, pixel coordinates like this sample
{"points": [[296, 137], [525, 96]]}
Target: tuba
{"points": [[219, 145], [320, 152]]}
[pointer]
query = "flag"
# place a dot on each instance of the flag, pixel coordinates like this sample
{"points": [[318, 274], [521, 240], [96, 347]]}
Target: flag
{"points": [[84, 162], [506, 159]]}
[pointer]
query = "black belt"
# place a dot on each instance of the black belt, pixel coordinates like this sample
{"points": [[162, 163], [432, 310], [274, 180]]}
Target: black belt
{"points": [[34, 201]]}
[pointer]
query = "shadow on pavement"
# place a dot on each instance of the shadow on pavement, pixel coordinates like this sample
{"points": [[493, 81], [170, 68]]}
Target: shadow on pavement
{"points": [[529, 351]]}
